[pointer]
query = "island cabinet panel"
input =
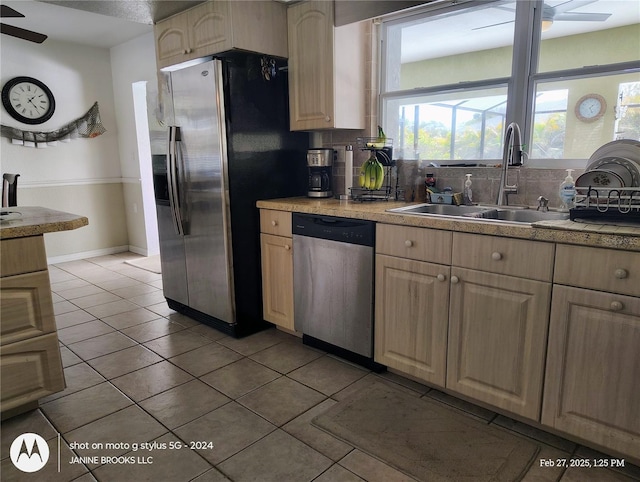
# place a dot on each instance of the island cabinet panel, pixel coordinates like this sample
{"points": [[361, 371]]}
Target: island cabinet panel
{"points": [[411, 312], [23, 255], [592, 383], [26, 309], [30, 369], [497, 338]]}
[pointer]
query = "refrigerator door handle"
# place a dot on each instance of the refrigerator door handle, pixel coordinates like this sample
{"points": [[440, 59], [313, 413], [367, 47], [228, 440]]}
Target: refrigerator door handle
{"points": [[173, 181]]}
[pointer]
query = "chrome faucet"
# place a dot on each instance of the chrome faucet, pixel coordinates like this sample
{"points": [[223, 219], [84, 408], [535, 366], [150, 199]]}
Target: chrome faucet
{"points": [[511, 156]]}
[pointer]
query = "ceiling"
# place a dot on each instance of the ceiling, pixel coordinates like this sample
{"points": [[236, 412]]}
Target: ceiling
{"points": [[107, 23], [97, 23]]}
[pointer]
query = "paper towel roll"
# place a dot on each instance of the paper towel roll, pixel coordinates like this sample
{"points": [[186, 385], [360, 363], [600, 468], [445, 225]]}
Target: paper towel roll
{"points": [[348, 169]]}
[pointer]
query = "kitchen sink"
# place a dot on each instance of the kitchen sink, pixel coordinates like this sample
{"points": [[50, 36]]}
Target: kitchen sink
{"points": [[509, 214]]}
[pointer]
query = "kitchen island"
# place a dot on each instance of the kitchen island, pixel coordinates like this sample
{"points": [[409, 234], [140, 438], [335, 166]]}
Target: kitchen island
{"points": [[30, 362], [539, 322]]}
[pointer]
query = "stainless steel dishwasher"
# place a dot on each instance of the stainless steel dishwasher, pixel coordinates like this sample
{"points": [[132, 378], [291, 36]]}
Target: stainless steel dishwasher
{"points": [[333, 285]]}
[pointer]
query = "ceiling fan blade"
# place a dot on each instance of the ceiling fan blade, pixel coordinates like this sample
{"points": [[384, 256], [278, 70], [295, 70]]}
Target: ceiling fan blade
{"points": [[6, 12], [22, 33], [582, 17], [572, 5], [492, 25]]}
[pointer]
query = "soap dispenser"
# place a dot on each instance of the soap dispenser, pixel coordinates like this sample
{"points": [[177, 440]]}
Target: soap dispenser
{"points": [[467, 192], [567, 192]]}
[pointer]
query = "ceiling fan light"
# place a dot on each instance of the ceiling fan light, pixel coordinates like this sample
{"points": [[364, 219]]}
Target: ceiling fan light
{"points": [[546, 24]]}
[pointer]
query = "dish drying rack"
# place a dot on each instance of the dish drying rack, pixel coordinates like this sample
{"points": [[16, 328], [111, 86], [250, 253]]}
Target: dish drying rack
{"points": [[615, 204], [383, 151]]}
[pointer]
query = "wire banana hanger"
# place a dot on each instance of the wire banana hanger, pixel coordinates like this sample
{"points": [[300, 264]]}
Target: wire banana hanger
{"points": [[87, 126]]}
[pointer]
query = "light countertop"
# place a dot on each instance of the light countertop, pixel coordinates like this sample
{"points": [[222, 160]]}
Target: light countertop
{"points": [[22, 221], [568, 232]]}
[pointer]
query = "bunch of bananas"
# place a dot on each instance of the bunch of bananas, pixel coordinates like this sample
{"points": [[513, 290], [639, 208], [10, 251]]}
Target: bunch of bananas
{"points": [[380, 141], [371, 174]]}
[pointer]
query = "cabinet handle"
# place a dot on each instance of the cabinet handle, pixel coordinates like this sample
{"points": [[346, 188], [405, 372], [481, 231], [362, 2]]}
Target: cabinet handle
{"points": [[274, 223], [621, 273], [408, 243], [616, 305], [441, 277], [327, 119], [455, 280], [496, 256], [287, 247]]}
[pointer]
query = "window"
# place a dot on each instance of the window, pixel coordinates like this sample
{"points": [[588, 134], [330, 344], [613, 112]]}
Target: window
{"points": [[456, 73]]}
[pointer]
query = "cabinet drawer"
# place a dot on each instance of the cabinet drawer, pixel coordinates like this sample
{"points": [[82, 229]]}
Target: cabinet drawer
{"points": [[26, 309], [30, 369], [598, 268], [22, 255], [421, 244], [513, 257], [277, 223]]}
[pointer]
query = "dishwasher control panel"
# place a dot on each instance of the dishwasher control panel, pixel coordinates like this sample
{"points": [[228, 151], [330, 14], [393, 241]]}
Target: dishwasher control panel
{"points": [[346, 230]]}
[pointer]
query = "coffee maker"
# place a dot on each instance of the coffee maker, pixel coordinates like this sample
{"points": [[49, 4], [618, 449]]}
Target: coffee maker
{"points": [[319, 162]]}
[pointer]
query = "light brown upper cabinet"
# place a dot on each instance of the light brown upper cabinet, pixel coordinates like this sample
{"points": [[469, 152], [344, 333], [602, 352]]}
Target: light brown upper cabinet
{"points": [[327, 69], [220, 26]]}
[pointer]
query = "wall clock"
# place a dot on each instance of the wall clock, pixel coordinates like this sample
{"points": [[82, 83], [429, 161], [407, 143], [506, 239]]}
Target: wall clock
{"points": [[28, 100], [590, 107]]}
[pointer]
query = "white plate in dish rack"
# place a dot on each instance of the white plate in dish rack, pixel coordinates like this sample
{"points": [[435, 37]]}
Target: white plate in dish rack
{"points": [[625, 148], [628, 170]]}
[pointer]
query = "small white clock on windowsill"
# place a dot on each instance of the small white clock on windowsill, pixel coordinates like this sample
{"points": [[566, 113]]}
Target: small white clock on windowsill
{"points": [[590, 107]]}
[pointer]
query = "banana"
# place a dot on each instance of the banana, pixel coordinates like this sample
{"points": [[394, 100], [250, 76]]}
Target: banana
{"points": [[363, 171], [373, 174], [380, 141], [379, 175]]}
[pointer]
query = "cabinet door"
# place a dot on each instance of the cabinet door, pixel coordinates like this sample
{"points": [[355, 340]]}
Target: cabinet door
{"points": [[26, 309], [310, 27], [172, 41], [277, 280], [209, 26], [592, 386], [497, 338], [411, 317], [30, 369]]}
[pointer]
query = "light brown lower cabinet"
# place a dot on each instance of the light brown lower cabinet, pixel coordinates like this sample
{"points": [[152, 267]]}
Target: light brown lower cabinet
{"points": [[497, 339], [277, 280], [30, 362], [411, 317], [592, 383]]}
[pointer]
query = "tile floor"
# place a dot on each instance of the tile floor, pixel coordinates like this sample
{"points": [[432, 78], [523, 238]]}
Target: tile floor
{"points": [[138, 372]]}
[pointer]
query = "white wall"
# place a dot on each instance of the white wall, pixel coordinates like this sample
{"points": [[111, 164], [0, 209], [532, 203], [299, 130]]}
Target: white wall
{"points": [[133, 62], [58, 177]]}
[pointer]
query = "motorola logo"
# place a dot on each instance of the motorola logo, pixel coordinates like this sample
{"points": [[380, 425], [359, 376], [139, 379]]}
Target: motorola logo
{"points": [[29, 452]]}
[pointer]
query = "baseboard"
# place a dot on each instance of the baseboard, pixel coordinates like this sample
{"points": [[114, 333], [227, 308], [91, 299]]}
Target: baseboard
{"points": [[87, 254]]}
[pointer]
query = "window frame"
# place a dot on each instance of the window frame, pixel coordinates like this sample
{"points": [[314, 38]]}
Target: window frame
{"points": [[521, 85]]}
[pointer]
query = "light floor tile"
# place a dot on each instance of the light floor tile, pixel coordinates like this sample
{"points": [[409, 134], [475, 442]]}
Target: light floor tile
{"points": [[112, 308], [240, 377], [371, 469], [130, 318], [258, 341], [73, 318], [124, 361], [286, 356], [83, 331], [78, 377], [176, 343], [327, 375], [153, 329], [101, 345], [205, 359], [95, 299]]}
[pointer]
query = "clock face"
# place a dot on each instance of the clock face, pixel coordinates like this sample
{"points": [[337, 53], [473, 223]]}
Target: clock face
{"points": [[590, 107], [28, 100]]}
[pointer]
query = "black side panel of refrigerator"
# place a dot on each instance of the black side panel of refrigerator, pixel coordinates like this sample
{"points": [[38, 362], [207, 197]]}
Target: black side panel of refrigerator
{"points": [[265, 161]]}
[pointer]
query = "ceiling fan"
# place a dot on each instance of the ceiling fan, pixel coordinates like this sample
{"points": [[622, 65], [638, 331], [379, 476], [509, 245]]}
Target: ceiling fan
{"points": [[561, 12], [22, 33]]}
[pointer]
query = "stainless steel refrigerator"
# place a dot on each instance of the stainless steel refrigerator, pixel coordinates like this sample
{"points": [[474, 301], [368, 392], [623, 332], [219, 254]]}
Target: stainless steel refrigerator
{"points": [[229, 145]]}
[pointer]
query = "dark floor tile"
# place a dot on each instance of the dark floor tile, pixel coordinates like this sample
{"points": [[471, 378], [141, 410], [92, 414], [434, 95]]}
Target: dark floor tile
{"points": [[177, 343], [130, 318], [153, 329], [124, 361], [327, 375], [184, 403], [83, 331], [231, 428], [286, 356], [151, 380], [167, 465], [77, 377], [239, 378], [206, 359], [256, 342], [29, 422], [276, 458], [101, 345], [125, 427], [281, 400], [73, 411]]}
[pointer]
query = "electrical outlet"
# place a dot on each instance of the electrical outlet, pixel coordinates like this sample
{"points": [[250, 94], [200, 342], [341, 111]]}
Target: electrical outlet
{"points": [[340, 153]]}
